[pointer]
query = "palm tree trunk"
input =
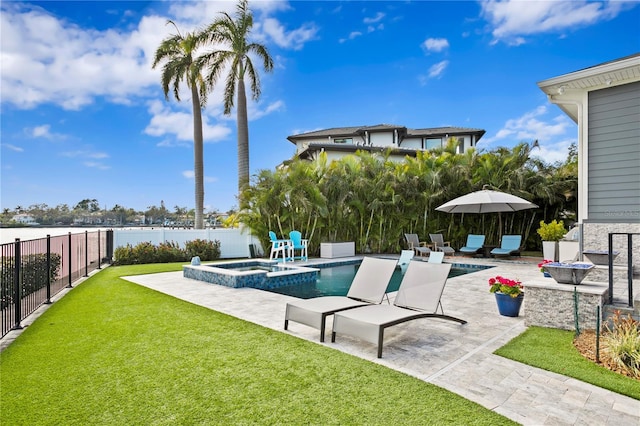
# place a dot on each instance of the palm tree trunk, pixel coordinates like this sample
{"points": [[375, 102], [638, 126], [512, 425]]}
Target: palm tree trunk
{"points": [[243, 141], [198, 167]]}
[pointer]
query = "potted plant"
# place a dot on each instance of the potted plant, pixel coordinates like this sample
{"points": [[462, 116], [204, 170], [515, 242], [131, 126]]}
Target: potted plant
{"points": [[551, 233], [541, 266], [509, 295]]}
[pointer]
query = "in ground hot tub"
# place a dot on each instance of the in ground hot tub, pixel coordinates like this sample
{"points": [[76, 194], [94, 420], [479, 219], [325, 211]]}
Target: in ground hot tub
{"points": [[259, 274]]}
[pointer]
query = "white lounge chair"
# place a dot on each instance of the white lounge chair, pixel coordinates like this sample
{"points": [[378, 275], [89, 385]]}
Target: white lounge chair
{"points": [[405, 258], [368, 286], [436, 257], [418, 297]]}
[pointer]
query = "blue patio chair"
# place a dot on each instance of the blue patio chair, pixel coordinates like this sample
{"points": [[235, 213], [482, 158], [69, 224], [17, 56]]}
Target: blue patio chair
{"points": [[474, 244], [509, 246], [277, 247], [298, 243]]}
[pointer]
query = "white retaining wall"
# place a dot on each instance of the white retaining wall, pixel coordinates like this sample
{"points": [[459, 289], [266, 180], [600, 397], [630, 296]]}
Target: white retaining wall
{"points": [[234, 242]]}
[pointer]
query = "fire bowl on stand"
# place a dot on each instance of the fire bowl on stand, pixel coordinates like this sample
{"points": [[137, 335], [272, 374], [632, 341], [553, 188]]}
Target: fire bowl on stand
{"points": [[600, 257], [568, 272]]}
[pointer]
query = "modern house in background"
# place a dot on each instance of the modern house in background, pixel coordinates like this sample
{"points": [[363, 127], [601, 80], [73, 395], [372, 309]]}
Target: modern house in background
{"points": [[604, 100], [401, 141]]}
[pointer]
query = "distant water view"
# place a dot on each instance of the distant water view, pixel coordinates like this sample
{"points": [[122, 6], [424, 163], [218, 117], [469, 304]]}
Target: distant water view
{"points": [[9, 235]]}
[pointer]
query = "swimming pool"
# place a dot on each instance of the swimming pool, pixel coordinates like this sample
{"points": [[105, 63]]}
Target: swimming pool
{"points": [[335, 280]]}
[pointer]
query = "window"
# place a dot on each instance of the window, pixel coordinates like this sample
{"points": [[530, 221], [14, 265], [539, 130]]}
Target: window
{"points": [[432, 143], [343, 140]]}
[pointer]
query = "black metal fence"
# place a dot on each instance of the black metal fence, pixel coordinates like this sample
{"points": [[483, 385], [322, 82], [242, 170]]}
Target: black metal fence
{"points": [[629, 265], [33, 271]]}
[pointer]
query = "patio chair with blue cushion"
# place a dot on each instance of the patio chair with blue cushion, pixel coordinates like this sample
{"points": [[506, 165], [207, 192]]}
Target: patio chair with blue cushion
{"points": [[369, 286], [474, 244], [441, 245], [418, 297], [509, 246], [278, 247], [297, 243]]}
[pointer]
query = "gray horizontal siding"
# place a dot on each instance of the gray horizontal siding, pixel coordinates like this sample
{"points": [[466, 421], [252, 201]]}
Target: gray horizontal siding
{"points": [[614, 153]]}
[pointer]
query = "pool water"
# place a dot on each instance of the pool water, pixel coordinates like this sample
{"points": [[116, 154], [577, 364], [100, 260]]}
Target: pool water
{"points": [[336, 280]]}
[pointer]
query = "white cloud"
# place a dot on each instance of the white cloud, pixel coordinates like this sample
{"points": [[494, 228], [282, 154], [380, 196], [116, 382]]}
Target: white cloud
{"points": [[190, 174], [50, 60], [96, 165], [255, 113], [435, 44], [166, 122], [294, 39], [47, 60], [552, 152], [43, 131], [379, 16], [436, 70], [512, 19], [352, 35], [12, 147], [553, 134]]}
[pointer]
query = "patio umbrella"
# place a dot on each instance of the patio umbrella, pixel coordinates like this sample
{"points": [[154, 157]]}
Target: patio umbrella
{"points": [[486, 201]]}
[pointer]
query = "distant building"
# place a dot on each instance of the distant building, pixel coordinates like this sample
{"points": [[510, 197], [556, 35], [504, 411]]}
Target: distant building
{"points": [[24, 219], [402, 141]]}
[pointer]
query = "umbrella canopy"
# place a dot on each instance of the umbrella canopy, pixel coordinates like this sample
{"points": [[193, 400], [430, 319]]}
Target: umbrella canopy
{"points": [[486, 201]]}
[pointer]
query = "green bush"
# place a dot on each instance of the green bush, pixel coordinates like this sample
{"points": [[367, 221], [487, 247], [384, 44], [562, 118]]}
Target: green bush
{"points": [[34, 275], [170, 251], [552, 231], [205, 249], [166, 252]]}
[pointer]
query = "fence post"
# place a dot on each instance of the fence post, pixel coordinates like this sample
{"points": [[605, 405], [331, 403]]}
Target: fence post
{"points": [[86, 253], [48, 301], [70, 269], [17, 293], [110, 245], [99, 258]]}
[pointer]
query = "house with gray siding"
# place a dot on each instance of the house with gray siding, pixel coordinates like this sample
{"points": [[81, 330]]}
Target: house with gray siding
{"points": [[604, 100], [400, 141]]}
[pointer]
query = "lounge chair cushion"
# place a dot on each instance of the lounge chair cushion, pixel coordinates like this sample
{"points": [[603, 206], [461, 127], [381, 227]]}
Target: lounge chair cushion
{"points": [[510, 245], [474, 244]]}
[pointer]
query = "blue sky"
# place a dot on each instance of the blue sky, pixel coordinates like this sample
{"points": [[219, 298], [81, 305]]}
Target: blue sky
{"points": [[84, 116]]}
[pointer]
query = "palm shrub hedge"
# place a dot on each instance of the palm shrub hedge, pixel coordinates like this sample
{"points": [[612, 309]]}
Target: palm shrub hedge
{"points": [[369, 199], [166, 252]]}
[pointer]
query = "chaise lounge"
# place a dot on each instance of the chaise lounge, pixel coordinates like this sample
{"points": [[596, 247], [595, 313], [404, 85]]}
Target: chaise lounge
{"points": [[474, 244], [418, 297], [369, 286], [509, 246]]}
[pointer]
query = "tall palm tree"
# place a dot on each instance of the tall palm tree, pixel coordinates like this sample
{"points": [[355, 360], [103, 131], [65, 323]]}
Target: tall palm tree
{"points": [[231, 53], [178, 54]]}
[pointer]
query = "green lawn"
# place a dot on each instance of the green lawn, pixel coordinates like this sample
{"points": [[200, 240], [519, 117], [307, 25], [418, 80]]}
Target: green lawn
{"points": [[553, 350], [112, 352]]}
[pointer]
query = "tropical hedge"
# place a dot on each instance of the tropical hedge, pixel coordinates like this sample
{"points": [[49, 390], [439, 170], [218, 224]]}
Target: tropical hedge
{"points": [[372, 200]]}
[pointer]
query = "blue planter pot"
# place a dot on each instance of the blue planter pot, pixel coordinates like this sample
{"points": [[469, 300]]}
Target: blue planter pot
{"points": [[546, 274], [509, 306]]}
